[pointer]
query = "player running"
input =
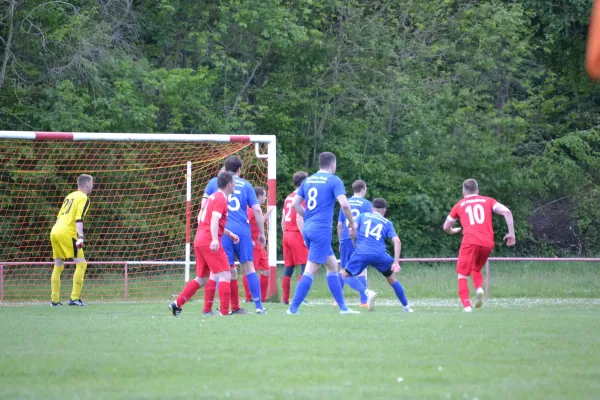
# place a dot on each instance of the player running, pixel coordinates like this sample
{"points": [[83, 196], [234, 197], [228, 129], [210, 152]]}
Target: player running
{"points": [[208, 247], [475, 213], [67, 240], [321, 191], [295, 251], [371, 232], [359, 205]]}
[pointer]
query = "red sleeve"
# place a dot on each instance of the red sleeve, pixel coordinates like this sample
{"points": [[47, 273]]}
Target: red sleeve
{"points": [[454, 211], [220, 205]]}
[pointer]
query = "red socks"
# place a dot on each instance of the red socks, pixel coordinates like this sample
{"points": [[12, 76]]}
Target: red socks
{"points": [[247, 289], [285, 287], [188, 292], [209, 295], [477, 279], [235, 294], [264, 285], [224, 297], [463, 292]]}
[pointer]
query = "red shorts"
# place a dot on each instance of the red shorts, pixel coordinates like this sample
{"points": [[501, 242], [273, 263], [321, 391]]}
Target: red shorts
{"points": [[472, 258], [295, 251], [261, 260], [208, 261]]}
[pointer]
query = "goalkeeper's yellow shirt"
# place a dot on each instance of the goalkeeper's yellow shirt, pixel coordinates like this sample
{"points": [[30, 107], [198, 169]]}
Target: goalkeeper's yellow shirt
{"points": [[73, 210]]}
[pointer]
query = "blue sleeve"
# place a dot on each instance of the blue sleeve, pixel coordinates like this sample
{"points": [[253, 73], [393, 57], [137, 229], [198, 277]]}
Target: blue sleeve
{"points": [[250, 195], [338, 186], [391, 232], [367, 207], [301, 190], [211, 187], [358, 221]]}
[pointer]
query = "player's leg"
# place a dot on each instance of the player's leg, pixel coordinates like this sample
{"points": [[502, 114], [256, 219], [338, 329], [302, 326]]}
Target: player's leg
{"points": [[315, 259], [209, 294], [78, 276], [262, 265], [354, 268], [286, 282], [333, 282], [245, 252], [59, 255], [247, 294], [398, 289], [362, 278], [224, 289], [218, 262], [190, 288], [463, 270], [482, 256], [235, 295]]}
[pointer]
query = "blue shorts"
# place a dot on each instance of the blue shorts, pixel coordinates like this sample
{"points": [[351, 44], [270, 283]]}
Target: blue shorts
{"points": [[319, 245], [243, 250], [346, 250], [358, 262]]}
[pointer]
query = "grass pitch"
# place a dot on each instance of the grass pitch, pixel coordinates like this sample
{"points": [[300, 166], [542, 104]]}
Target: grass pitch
{"points": [[510, 349]]}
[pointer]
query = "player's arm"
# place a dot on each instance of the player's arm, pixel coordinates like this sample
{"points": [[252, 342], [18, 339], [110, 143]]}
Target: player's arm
{"points": [[339, 231], [297, 204], [448, 226], [397, 250], [214, 230], [258, 215], [300, 222], [234, 238], [82, 209], [501, 209], [345, 206]]}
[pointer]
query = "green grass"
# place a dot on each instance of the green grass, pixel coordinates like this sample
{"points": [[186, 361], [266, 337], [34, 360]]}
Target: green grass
{"points": [[508, 279], [510, 349]]}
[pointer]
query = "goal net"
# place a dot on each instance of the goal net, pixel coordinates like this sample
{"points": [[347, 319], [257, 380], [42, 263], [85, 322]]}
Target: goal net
{"points": [[143, 214]]}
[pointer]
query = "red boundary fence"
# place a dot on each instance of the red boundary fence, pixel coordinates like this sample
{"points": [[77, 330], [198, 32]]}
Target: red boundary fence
{"points": [[125, 265]]}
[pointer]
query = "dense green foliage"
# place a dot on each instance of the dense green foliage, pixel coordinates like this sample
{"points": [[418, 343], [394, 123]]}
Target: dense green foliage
{"points": [[413, 97]]}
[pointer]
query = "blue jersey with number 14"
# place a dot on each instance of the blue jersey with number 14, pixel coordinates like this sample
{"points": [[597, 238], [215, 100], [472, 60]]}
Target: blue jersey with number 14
{"points": [[358, 205], [238, 203], [373, 229], [320, 192]]}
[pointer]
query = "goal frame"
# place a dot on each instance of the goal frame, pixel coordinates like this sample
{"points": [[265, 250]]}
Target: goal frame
{"points": [[270, 156]]}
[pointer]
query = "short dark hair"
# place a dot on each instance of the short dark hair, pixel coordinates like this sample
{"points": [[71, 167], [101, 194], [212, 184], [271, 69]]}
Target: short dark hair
{"points": [[358, 185], [233, 164], [326, 159], [259, 190], [470, 186], [379, 203], [224, 179], [299, 177]]}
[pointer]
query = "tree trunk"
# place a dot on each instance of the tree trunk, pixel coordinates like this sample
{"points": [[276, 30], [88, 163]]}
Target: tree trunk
{"points": [[7, 52]]}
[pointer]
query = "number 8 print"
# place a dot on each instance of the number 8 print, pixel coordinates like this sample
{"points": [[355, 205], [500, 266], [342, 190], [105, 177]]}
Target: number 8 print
{"points": [[312, 198]]}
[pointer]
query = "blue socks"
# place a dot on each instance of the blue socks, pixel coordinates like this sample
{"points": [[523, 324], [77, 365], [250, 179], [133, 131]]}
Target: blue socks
{"points": [[301, 291], [341, 281], [355, 284], [254, 285], [333, 281], [363, 280], [400, 293]]}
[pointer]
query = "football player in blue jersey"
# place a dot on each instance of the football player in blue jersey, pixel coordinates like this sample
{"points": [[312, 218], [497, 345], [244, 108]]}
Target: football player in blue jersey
{"points": [[359, 205], [371, 232], [320, 192]]}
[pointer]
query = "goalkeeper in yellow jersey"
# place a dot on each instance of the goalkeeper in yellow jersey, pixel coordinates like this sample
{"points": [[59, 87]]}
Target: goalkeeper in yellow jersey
{"points": [[67, 240]]}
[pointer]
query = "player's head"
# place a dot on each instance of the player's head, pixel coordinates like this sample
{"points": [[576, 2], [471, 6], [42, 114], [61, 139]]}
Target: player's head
{"points": [[298, 178], [327, 162], [85, 183], [226, 182], [359, 188], [233, 164], [470, 187], [380, 205], [261, 194]]}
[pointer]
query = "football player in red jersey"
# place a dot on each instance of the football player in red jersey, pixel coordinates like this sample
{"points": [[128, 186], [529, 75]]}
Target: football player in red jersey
{"points": [[208, 248], [475, 214], [295, 251]]}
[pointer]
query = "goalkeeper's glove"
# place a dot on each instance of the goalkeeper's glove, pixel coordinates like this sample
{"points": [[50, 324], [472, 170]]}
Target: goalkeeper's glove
{"points": [[79, 242]]}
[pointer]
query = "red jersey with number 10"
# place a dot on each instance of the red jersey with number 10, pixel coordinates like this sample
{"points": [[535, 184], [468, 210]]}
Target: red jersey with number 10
{"points": [[217, 203], [289, 214], [475, 213]]}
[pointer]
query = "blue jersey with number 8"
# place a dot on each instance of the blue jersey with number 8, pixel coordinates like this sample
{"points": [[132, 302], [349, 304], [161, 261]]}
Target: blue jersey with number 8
{"points": [[320, 192], [372, 231]]}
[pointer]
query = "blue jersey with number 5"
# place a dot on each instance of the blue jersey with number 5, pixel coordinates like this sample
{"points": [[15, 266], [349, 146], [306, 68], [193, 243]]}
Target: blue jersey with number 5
{"points": [[320, 192], [238, 203], [371, 233], [358, 205]]}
